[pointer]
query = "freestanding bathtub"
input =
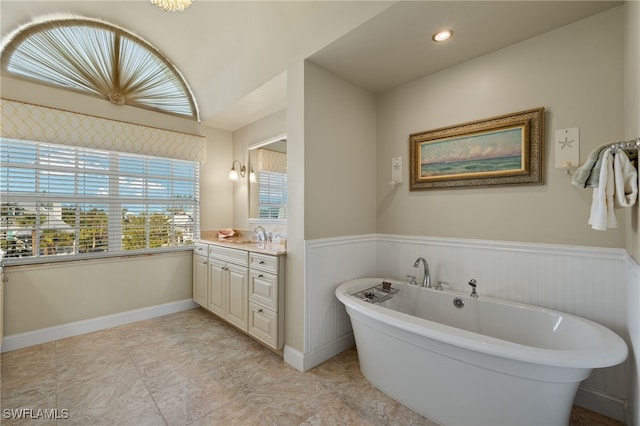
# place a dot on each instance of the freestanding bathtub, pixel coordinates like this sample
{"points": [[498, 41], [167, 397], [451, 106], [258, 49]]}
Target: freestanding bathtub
{"points": [[462, 361]]}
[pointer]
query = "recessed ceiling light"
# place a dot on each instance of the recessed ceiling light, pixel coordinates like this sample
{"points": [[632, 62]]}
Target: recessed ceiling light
{"points": [[441, 36]]}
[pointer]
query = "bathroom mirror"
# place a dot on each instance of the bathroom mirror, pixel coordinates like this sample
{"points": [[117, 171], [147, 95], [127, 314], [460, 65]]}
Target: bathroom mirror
{"points": [[268, 193]]}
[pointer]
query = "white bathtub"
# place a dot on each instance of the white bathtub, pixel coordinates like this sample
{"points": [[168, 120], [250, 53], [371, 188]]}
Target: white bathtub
{"points": [[491, 362]]}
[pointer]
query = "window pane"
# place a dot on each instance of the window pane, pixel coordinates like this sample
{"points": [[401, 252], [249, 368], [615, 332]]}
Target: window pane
{"points": [[19, 222], [134, 227], [56, 182], [93, 222], [159, 229], [17, 180], [131, 187], [159, 188], [93, 185]]}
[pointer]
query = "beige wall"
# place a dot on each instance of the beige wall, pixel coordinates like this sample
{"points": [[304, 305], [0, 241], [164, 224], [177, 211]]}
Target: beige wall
{"points": [[216, 191], [331, 172], [294, 288], [340, 156], [632, 106], [41, 296], [574, 72]]}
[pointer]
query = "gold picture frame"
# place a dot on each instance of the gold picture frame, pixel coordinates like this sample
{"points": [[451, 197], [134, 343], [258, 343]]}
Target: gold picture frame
{"points": [[503, 150]]}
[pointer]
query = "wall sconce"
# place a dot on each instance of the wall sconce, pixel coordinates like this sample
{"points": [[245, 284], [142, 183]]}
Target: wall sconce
{"points": [[233, 173], [252, 174]]}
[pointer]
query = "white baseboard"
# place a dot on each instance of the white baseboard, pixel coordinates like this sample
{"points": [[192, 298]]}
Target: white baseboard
{"points": [[304, 362], [294, 358], [49, 334], [600, 403]]}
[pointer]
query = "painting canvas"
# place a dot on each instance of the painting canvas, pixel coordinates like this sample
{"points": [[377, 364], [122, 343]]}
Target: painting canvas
{"points": [[474, 155], [505, 149]]}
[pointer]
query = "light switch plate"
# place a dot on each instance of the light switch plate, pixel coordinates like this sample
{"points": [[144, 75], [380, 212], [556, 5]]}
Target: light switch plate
{"points": [[567, 148], [396, 170]]}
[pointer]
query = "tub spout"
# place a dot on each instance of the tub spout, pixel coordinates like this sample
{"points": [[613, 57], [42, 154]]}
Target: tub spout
{"points": [[426, 281]]}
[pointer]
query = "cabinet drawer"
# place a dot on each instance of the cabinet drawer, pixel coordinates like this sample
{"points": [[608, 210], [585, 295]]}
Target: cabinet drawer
{"points": [[239, 257], [263, 289], [264, 262], [263, 324], [201, 249]]}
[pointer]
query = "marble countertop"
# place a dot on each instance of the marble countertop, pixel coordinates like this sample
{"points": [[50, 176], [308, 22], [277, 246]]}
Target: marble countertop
{"points": [[243, 240], [243, 244]]}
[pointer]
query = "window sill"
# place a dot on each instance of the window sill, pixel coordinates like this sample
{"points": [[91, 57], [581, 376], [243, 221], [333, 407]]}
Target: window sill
{"points": [[28, 261]]}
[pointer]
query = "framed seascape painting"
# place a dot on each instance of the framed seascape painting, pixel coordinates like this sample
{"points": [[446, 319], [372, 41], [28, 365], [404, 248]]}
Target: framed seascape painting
{"points": [[497, 151]]}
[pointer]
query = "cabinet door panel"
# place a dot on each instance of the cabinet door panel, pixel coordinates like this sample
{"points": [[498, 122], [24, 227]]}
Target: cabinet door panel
{"points": [[200, 275], [217, 283], [263, 325], [237, 302], [263, 289]]}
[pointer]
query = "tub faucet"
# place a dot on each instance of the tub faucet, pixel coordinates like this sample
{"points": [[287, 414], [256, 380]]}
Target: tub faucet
{"points": [[426, 281], [473, 283]]}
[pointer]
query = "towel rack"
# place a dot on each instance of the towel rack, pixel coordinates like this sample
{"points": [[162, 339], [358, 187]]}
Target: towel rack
{"points": [[632, 144]]}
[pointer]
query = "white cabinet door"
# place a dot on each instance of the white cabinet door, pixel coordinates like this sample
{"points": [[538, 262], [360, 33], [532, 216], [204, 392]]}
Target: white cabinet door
{"points": [[263, 325], [218, 277], [200, 280], [237, 301]]}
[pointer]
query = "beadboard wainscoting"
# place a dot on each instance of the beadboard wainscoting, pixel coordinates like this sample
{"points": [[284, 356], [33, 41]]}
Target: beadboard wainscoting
{"points": [[593, 283], [329, 262]]}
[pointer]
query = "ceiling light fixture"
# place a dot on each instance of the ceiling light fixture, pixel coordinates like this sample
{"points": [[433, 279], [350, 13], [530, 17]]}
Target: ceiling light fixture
{"points": [[172, 5], [443, 35]]}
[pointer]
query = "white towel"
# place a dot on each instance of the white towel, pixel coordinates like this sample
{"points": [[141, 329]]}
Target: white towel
{"points": [[626, 180], [603, 215]]}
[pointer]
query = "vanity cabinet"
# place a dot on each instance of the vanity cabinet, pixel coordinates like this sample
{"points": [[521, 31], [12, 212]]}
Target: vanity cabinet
{"points": [[243, 287]]}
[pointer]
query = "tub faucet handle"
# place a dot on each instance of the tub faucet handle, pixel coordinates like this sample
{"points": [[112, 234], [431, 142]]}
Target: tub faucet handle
{"points": [[441, 285], [473, 283], [413, 279]]}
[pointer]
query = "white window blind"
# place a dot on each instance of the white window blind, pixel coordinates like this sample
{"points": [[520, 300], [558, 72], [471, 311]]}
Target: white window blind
{"points": [[58, 200], [272, 195]]}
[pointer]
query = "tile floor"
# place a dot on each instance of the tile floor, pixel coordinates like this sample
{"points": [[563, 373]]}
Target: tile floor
{"points": [[192, 368]]}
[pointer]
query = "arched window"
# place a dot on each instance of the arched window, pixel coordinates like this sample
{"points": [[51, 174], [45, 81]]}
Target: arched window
{"points": [[100, 59]]}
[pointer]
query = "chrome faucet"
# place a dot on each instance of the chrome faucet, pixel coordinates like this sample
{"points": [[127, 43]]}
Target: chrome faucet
{"points": [[262, 234], [426, 281]]}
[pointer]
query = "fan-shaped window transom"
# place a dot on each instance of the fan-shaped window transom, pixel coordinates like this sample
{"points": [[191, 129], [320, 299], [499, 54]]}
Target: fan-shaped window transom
{"points": [[100, 59]]}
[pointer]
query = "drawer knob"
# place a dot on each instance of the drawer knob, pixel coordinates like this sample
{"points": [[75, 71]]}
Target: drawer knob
{"points": [[261, 262], [260, 310], [260, 276]]}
